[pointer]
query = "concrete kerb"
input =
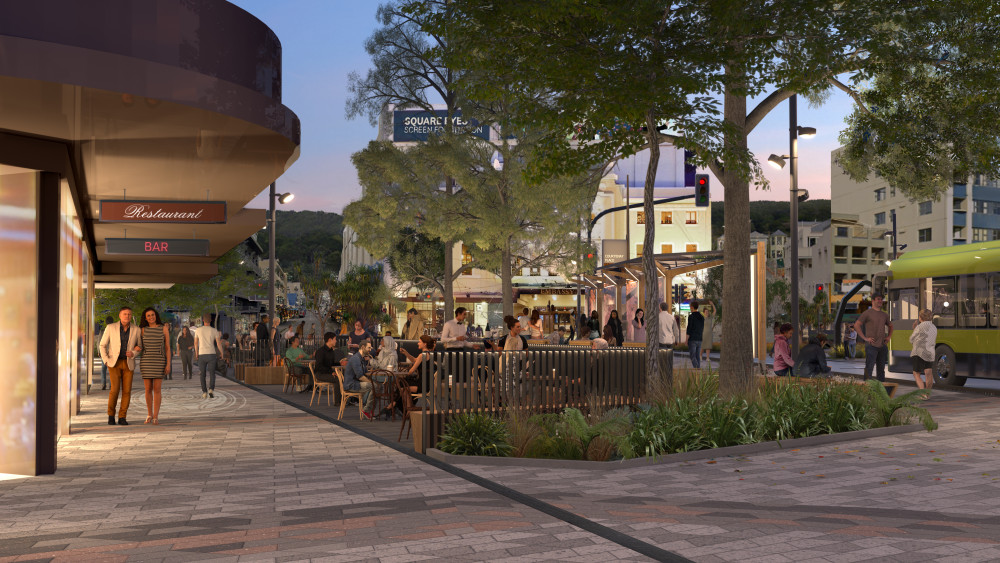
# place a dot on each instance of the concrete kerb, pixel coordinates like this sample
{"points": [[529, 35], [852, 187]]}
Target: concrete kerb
{"points": [[744, 450]]}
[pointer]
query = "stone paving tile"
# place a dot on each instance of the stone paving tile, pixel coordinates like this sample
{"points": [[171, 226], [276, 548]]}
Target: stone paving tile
{"points": [[920, 496], [246, 478]]}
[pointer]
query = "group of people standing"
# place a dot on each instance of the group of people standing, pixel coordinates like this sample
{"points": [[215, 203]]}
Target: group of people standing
{"points": [[122, 342]]}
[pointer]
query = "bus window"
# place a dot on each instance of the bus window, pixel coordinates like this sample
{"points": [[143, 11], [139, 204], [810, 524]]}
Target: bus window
{"points": [[974, 297], [903, 305], [943, 297]]}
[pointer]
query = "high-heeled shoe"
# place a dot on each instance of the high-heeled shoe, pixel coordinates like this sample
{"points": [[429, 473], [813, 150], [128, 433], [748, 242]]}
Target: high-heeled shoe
{"points": [[148, 420]]}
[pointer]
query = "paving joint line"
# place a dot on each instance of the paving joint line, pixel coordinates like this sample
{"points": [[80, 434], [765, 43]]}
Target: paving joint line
{"points": [[610, 534]]}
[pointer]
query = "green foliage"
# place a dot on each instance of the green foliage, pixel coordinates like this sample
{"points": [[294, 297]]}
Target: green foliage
{"points": [[770, 216], [898, 410], [304, 238], [418, 261], [361, 294], [475, 434]]}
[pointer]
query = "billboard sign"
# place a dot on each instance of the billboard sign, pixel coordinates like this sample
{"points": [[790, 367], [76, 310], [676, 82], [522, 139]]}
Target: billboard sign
{"points": [[416, 125]]}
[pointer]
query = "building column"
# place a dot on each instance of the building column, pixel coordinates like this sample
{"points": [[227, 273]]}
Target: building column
{"points": [[47, 367]]}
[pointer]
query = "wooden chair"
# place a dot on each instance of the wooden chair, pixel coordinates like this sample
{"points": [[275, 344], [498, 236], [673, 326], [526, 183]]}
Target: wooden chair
{"points": [[320, 386], [383, 386], [344, 395], [291, 378], [407, 402]]}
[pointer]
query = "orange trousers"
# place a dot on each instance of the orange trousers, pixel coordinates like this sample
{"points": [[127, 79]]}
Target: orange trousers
{"points": [[121, 380]]}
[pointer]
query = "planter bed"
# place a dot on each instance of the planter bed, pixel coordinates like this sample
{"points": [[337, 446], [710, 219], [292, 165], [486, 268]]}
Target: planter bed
{"points": [[741, 450]]}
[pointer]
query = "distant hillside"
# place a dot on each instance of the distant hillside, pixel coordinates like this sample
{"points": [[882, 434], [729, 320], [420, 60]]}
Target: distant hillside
{"points": [[304, 236], [769, 216]]}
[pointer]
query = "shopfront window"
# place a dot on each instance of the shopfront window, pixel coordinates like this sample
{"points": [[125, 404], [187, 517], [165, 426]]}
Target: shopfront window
{"points": [[18, 319]]}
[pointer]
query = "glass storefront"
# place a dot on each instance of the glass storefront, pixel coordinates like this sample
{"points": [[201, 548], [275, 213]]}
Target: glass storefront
{"points": [[74, 333], [18, 319]]}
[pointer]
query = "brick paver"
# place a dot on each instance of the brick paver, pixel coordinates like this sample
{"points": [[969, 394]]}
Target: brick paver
{"points": [[243, 477]]}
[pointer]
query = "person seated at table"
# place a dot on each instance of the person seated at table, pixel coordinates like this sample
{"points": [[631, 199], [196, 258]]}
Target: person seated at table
{"points": [[519, 342], [355, 379], [357, 336], [557, 336], [424, 344], [327, 357], [387, 356], [295, 355]]}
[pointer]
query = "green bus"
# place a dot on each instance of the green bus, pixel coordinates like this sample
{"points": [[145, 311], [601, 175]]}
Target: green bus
{"points": [[961, 286]]}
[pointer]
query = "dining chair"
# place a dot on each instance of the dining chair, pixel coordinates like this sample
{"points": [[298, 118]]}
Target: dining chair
{"points": [[406, 399], [383, 386], [344, 395], [291, 378], [320, 386]]}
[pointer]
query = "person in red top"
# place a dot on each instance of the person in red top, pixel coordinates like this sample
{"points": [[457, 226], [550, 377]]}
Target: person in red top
{"points": [[783, 362]]}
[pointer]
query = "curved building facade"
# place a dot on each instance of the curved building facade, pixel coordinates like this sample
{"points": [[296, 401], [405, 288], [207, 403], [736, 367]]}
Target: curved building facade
{"points": [[108, 106]]}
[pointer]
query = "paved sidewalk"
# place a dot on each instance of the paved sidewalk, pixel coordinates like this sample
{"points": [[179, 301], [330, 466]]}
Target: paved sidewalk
{"points": [[243, 477], [912, 497]]}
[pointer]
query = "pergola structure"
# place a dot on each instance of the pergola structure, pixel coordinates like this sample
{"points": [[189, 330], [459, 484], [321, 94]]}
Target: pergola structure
{"points": [[671, 265]]}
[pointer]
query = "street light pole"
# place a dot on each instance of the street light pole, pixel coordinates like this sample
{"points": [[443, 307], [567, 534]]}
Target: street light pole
{"points": [[270, 253], [793, 152]]}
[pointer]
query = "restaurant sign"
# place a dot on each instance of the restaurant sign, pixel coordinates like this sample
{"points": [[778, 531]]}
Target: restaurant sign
{"points": [[156, 247], [125, 211]]}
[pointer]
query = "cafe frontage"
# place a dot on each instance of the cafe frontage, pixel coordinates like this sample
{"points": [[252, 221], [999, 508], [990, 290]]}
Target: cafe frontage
{"points": [[133, 133]]}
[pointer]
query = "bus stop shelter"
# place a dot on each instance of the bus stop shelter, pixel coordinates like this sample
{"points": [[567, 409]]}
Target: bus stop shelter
{"points": [[619, 274]]}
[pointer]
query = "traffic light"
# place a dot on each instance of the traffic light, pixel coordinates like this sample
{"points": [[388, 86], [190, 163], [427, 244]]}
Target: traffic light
{"points": [[702, 197], [682, 290], [820, 288]]}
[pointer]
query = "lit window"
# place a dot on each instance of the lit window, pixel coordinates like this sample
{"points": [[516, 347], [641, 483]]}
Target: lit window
{"points": [[925, 208], [466, 260], [640, 217], [691, 248], [692, 217], [924, 235], [666, 217], [666, 249], [638, 250]]}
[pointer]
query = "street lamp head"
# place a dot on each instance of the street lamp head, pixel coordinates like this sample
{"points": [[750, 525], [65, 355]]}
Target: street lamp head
{"points": [[807, 132], [777, 161], [286, 197]]}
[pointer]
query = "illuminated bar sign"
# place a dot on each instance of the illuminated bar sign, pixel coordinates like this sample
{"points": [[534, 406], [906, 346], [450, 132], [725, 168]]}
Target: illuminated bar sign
{"points": [[156, 247], [125, 211]]}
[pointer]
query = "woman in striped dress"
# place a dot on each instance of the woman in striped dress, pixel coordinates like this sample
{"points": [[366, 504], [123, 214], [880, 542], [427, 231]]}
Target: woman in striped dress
{"points": [[155, 361]]}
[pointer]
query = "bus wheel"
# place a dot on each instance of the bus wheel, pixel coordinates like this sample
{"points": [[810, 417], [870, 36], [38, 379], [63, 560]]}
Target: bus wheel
{"points": [[944, 367]]}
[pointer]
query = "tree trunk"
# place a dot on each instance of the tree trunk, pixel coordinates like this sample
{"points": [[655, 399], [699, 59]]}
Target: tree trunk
{"points": [[449, 265], [735, 367], [506, 280], [649, 270]]}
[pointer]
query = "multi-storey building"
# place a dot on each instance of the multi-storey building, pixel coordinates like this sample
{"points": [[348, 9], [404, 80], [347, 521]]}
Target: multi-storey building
{"points": [[838, 253], [964, 213]]}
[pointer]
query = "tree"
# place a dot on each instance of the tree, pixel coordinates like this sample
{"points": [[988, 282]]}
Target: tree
{"points": [[317, 289], [777, 300], [924, 75], [417, 261], [362, 295], [408, 72]]}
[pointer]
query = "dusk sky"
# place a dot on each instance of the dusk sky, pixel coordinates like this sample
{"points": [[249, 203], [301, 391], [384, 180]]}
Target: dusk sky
{"points": [[323, 40]]}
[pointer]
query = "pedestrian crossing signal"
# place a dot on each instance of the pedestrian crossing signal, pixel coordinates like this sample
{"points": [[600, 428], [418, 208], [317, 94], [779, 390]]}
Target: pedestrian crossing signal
{"points": [[702, 198]]}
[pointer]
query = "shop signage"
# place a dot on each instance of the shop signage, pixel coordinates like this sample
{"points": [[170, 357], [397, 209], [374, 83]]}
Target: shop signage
{"points": [[156, 247], [613, 251], [125, 211], [415, 125]]}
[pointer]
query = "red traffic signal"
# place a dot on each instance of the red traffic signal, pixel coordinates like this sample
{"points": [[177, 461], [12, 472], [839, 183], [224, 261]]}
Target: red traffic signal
{"points": [[702, 197], [819, 288], [590, 255]]}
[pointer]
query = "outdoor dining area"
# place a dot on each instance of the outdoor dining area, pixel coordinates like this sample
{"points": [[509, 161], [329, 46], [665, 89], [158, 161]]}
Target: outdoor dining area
{"points": [[419, 401]]}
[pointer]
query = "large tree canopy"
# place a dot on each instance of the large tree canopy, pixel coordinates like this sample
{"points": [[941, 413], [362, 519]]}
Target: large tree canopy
{"points": [[921, 73]]}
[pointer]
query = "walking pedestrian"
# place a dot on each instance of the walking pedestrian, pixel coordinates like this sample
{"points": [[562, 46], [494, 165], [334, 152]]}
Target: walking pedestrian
{"points": [[119, 343], [850, 341], [206, 341], [154, 361], [708, 335], [616, 327], [875, 328], [185, 347], [922, 341], [670, 334], [639, 326], [263, 334], [594, 324], [695, 331]]}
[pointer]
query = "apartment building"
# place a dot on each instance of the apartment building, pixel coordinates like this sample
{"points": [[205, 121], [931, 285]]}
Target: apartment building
{"points": [[838, 253]]}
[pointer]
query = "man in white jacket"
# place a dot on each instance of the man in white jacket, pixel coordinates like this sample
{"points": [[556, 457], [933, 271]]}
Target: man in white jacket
{"points": [[670, 334], [119, 343]]}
